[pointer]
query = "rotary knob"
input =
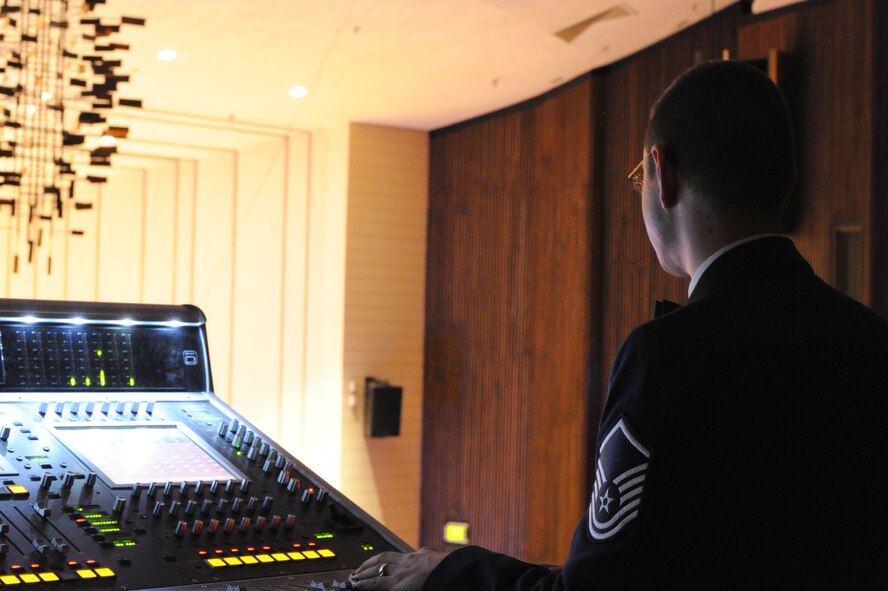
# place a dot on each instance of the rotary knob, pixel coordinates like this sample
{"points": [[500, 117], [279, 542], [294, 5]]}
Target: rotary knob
{"points": [[198, 487], [228, 527], [248, 437], [152, 490], [290, 522], [213, 527], [174, 507], [293, 485], [90, 480], [214, 487], [221, 506], [183, 488], [236, 505], [60, 408], [229, 486], [121, 406], [261, 522], [244, 525], [90, 408], [245, 485], [137, 490], [233, 425], [149, 408], [268, 466], [44, 408], [181, 528], [223, 430], [75, 408], [168, 489], [4, 433], [197, 527], [190, 506], [251, 504], [253, 453], [206, 506], [276, 521], [119, 504], [266, 503]]}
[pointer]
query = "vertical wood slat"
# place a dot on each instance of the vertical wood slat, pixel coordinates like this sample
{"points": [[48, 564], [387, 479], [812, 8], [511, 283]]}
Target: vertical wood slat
{"points": [[879, 194]]}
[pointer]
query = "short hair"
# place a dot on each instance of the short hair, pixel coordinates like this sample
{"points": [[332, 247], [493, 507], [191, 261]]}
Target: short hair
{"points": [[726, 127]]}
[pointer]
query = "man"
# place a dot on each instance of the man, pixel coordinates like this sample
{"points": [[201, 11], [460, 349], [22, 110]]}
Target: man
{"points": [[743, 441]]}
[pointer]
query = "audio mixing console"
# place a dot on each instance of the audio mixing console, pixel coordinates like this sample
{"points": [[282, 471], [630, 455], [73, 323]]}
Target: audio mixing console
{"points": [[120, 468]]}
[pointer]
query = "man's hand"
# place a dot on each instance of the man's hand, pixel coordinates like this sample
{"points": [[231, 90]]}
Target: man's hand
{"points": [[396, 572]]}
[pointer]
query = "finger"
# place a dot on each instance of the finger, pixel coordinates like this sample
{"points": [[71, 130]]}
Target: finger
{"points": [[370, 568], [374, 580]]}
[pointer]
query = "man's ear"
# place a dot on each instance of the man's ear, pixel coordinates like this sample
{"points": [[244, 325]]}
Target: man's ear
{"points": [[664, 172]]}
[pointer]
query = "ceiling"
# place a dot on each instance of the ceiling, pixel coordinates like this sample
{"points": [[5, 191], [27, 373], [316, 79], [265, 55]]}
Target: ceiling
{"points": [[419, 64]]}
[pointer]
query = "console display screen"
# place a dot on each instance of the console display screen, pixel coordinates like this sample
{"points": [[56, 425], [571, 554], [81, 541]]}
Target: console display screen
{"points": [[126, 454], [52, 358]]}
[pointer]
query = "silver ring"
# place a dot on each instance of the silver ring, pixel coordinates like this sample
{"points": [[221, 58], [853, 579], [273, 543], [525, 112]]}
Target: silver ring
{"points": [[383, 569]]}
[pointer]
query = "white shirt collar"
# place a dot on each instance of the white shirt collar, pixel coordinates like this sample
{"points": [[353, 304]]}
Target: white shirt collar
{"points": [[705, 265]]}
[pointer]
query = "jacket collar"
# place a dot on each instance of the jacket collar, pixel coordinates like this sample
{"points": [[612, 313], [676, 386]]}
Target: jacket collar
{"points": [[747, 262]]}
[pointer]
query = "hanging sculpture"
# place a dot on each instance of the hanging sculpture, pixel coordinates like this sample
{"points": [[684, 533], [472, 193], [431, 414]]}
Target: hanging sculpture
{"points": [[58, 79]]}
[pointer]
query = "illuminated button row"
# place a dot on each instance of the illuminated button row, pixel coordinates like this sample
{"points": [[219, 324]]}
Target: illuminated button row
{"points": [[29, 578], [51, 577], [266, 558], [99, 573]]}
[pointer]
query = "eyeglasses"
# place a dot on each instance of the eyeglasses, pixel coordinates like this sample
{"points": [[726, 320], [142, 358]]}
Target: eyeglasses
{"points": [[637, 174]]}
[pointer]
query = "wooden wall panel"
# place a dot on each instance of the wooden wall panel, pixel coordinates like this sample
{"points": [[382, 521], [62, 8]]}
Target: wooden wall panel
{"points": [[830, 49], [507, 326]]}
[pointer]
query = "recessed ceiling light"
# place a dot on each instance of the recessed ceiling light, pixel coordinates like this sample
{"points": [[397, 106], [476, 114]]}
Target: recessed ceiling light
{"points": [[167, 55], [298, 91]]}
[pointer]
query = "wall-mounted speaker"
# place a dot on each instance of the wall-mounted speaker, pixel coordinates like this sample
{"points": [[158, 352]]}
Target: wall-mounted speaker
{"points": [[382, 416]]}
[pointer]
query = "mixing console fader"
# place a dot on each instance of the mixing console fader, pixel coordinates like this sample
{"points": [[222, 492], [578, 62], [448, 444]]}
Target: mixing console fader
{"points": [[120, 468]]}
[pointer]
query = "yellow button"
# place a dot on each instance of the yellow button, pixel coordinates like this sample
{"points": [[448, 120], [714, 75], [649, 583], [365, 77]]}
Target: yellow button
{"points": [[249, 560], [18, 490], [215, 562], [9, 580], [264, 558], [49, 577], [280, 557], [311, 554], [232, 560], [30, 578], [327, 553], [86, 573], [295, 555], [105, 572]]}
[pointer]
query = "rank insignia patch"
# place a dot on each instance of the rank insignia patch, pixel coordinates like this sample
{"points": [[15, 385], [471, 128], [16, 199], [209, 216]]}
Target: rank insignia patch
{"points": [[621, 469]]}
